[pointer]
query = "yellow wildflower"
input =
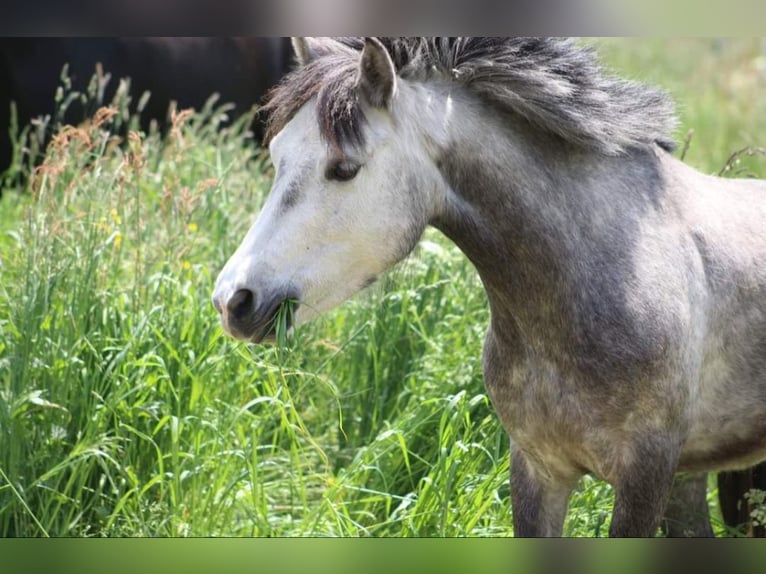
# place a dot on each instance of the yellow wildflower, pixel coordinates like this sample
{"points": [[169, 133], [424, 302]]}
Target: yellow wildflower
{"points": [[192, 227], [115, 216], [117, 239]]}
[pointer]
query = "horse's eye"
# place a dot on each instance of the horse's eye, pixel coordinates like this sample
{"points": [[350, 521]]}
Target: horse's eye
{"points": [[342, 170]]}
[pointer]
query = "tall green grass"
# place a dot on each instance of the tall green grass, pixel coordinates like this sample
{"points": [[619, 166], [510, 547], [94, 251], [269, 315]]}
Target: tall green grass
{"points": [[124, 411]]}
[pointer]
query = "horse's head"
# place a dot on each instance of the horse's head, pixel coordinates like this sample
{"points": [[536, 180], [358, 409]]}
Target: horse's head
{"points": [[341, 210]]}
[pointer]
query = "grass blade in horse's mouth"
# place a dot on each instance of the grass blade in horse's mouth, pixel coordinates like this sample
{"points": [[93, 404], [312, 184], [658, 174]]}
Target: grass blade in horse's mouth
{"points": [[283, 320]]}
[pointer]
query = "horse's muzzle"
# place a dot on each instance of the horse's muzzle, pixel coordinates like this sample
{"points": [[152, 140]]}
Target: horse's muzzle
{"points": [[248, 317]]}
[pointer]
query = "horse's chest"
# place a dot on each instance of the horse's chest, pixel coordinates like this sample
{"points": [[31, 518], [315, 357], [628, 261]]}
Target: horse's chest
{"points": [[546, 418]]}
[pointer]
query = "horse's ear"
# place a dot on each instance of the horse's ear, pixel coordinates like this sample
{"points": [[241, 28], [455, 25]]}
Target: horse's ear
{"points": [[301, 49], [308, 49], [377, 75]]}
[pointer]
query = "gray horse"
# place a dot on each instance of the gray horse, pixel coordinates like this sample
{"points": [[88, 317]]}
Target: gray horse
{"points": [[627, 290]]}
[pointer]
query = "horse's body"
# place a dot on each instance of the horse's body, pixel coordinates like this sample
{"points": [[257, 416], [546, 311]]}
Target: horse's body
{"points": [[627, 290]]}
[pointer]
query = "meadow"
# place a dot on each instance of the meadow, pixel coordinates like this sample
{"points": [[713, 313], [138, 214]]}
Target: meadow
{"points": [[125, 411]]}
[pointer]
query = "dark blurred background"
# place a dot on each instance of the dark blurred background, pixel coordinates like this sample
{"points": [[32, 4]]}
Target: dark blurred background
{"points": [[187, 70]]}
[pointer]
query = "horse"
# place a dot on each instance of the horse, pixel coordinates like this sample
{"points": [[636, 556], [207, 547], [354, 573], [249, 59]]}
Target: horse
{"points": [[627, 333]]}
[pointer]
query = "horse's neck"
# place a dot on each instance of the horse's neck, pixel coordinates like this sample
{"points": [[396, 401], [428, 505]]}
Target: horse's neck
{"points": [[526, 208]]}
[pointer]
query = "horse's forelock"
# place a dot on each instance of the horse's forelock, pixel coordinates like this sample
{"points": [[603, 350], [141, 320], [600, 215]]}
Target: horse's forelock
{"points": [[331, 80]]}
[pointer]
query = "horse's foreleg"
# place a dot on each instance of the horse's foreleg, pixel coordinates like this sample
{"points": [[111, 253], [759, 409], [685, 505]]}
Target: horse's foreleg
{"points": [[539, 506], [642, 489], [687, 513]]}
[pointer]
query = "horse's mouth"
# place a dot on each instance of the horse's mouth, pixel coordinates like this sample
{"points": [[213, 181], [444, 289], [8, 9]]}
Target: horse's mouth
{"points": [[279, 322], [266, 324]]}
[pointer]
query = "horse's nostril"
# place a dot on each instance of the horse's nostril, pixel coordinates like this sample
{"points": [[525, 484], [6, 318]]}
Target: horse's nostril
{"points": [[240, 305]]}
